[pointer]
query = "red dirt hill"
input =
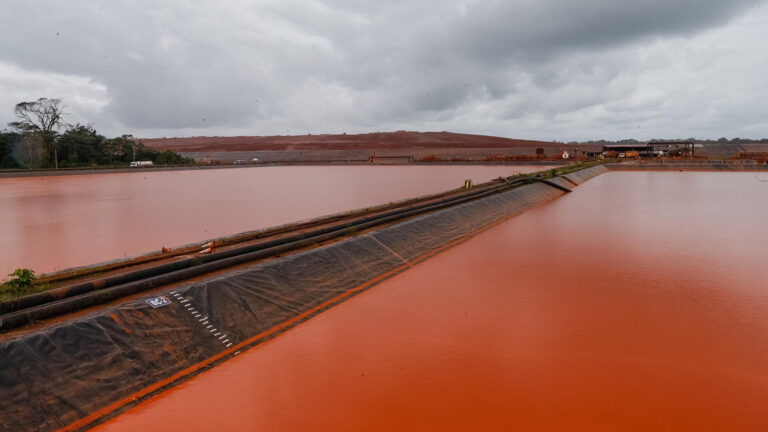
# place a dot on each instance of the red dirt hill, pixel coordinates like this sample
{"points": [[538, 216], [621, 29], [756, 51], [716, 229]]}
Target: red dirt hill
{"points": [[377, 140]]}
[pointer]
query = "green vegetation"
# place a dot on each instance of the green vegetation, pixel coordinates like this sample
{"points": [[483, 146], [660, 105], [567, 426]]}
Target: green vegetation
{"points": [[21, 283], [7, 144], [35, 143]]}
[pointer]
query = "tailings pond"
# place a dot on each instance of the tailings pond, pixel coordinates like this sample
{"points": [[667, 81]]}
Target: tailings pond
{"points": [[638, 302], [58, 222]]}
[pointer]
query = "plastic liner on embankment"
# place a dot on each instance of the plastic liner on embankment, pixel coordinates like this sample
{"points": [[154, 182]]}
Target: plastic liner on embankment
{"points": [[579, 177], [89, 368]]}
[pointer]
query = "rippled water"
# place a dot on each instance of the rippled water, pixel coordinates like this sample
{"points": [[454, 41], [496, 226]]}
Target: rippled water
{"points": [[638, 302], [53, 223]]}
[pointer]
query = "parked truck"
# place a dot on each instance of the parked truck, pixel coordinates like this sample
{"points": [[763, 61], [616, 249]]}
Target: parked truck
{"points": [[138, 164]]}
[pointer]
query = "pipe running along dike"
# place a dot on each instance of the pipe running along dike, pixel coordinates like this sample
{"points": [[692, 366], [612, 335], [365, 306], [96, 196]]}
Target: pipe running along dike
{"points": [[81, 371], [248, 236], [55, 302]]}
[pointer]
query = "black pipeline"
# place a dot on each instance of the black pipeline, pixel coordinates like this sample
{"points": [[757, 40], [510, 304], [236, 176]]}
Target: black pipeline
{"points": [[60, 301], [101, 283]]}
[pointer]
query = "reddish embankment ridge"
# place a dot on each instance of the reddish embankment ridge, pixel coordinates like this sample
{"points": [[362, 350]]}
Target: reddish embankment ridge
{"points": [[108, 360], [628, 305], [52, 223], [377, 140]]}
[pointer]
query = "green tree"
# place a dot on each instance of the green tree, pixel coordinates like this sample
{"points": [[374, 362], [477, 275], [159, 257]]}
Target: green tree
{"points": [[8, 142], [119, 150], [37, 143], [169, 157], [81, 145], [20, 283], [143, 152]]}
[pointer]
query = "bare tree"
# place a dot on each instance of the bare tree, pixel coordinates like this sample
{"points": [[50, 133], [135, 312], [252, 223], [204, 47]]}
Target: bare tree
{"points": [[43, 115], [40, 118]]}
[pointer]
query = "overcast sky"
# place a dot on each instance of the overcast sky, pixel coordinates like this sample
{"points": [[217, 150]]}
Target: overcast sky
{"points": [[538, 69]]}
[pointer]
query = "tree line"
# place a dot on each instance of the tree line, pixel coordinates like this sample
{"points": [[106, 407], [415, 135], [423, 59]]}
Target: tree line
{"points": [[34, 142]]}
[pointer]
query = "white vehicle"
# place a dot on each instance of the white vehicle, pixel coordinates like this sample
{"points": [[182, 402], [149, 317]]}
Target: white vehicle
{"points": [[239, 161], [138, 164]]}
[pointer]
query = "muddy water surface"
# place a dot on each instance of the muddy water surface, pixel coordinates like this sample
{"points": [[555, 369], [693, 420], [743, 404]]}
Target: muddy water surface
{"points": [[53, 223], [639, 302]]}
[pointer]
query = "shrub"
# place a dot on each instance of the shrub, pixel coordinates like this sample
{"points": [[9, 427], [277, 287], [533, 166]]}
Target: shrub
{"points": [[20, 283]]}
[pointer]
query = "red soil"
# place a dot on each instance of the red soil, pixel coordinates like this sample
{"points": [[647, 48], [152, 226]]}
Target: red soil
{"points": [[377, 140]]}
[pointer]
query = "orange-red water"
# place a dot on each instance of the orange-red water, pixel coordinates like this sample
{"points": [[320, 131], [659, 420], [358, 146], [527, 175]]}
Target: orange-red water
{"points": [[53, 223], [638, 302]]}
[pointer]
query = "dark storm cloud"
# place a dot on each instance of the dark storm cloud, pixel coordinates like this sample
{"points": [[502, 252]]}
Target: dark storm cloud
{"points": [[501, 30], [310, 65]]}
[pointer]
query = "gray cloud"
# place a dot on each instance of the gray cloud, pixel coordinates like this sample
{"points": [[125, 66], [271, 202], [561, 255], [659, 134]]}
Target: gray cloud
{"points": [[501, 67], [502, 30]]}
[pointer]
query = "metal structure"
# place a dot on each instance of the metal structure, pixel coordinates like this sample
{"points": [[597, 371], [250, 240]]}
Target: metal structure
{"points": [[673, 148]]}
